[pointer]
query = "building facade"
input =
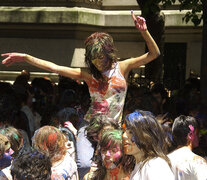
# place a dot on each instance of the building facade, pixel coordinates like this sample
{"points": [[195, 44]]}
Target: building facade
{"points": [[55, 30]]}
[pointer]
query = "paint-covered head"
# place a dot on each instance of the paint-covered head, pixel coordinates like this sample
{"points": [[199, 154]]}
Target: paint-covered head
{"points": [[145, 132], [100, 53], [98, 124], [111, 148], [184, 130], [50, 141], [4, 144], [15, 139]]}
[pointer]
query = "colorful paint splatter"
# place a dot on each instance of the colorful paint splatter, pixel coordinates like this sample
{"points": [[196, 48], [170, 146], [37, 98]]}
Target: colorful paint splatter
{"points": [[108, 97]]}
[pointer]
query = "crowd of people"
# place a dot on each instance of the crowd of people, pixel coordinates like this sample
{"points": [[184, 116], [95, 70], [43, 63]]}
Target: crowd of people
{"points": [[100, 129]]}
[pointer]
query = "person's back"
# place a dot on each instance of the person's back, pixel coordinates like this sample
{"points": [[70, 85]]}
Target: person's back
{"points": [[65, 169], [186, 164]]}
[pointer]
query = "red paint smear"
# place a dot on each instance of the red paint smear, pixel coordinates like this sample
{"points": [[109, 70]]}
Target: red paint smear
{"points": [[52, 138], [108, 144], [114, 173]]}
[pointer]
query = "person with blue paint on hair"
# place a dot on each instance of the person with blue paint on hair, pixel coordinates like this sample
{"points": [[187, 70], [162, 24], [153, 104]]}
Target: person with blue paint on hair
{"points": [[144, 139]]}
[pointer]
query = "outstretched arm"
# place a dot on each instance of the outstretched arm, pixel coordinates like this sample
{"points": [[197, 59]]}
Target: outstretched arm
{"points": [[129, 64], [76, 73]]}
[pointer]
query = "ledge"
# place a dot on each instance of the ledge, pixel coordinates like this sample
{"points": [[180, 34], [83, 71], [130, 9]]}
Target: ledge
{"points": [[85, 16], [10, 76]]}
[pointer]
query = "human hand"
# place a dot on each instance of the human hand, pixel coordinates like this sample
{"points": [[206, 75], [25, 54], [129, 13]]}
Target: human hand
{"points": [[12, 58], [70, 126], [139, 22]]}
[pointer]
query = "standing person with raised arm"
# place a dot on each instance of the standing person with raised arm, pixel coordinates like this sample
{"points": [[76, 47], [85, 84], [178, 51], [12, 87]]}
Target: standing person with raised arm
{"points": [[105, 77]]}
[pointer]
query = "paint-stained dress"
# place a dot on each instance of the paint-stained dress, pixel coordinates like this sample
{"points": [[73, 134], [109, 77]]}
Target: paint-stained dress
{"points": [[108, 97], [187, 165]]}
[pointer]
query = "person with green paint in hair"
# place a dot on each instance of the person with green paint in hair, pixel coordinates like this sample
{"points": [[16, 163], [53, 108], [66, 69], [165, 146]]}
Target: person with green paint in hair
{"points": [[4, 151], [88, 139], [111, 161], [105, 76], [16, 141]]}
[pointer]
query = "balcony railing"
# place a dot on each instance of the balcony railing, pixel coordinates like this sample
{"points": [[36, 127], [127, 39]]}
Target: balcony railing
{"points": [[95, 4]]}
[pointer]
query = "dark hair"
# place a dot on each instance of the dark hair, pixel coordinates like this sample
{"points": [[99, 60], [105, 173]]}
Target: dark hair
{"points": [[15, 139], [99, 44], [68, 98], [180, 129], [32, 166], [97, 122], [148, 135], [115, 139], [159, 88], [68, 114]]}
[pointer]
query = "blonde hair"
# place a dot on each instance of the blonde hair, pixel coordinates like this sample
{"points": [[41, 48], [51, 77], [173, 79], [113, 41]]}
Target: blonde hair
{"points": [[50, 141]]}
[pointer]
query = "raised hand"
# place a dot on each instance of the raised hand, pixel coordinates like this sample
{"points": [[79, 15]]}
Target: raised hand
{"points": [[139, 22], [70, 126], [12, 58]]}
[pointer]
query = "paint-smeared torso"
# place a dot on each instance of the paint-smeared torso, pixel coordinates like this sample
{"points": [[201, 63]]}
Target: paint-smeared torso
{"points": [[108, 97]]}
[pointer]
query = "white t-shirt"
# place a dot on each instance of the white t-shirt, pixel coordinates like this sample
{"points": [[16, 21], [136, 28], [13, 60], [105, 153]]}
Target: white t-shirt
{"points": [[187, 165], [154, 169], [66, 169], [5, 174]]}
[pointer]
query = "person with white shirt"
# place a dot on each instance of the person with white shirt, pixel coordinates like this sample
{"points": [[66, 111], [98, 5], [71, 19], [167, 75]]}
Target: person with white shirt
{"points": [[144, 139], [188, 165]]}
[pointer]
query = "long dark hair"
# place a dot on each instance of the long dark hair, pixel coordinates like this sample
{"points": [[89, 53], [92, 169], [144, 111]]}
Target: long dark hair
{"points": [[148, 135], [97, 45]]}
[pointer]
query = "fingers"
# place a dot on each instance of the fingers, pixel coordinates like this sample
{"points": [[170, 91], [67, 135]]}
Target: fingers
{"points": [[5, 54], [133, 16], [67, 122], [5, 61], [141, 20], [138, 21]]}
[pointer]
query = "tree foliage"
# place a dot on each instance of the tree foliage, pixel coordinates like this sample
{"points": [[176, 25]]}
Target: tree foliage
{"points": [[194, 6]]}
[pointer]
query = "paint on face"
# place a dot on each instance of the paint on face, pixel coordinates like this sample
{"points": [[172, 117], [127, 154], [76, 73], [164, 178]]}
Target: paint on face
{"points": [[101, 63], [111, 157]]}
